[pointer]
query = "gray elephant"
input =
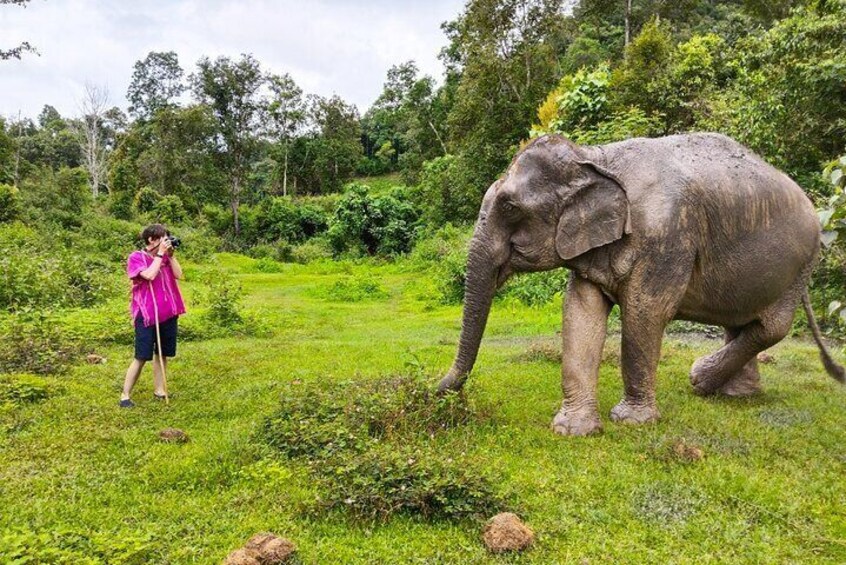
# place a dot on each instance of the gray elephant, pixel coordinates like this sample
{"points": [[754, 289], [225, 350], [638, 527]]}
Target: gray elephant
{"points": [[691, 227]]}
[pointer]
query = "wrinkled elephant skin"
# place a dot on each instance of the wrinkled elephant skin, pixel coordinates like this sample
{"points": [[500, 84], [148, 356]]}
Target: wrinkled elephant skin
{"points": [[692, 227]]}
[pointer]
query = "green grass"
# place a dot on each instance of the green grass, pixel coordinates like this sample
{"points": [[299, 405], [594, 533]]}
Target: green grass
{"points": [[84, 479]]}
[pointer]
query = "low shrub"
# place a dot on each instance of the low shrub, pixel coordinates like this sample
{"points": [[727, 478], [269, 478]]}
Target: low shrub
{"points": [[320, 422], [10, 203], [315, 249], [223, 296], [22, 389], [30, 342], [368, 445], [415, 480], [354, 289], [450, 275], [169, 210], [52, 275], [65, 545], [146, 200], [536, 289]]}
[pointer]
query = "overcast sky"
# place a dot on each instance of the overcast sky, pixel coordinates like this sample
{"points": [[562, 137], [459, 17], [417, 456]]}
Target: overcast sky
{"points": [[342, 47]]}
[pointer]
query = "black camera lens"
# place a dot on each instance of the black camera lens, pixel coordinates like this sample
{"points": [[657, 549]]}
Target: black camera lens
{"points": [[175, 242]]}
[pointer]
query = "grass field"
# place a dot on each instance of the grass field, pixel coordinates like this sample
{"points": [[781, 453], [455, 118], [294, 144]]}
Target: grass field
{"points": [[82, 480]]}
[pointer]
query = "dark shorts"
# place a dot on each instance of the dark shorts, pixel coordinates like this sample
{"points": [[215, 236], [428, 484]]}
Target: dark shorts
{"points": [[145, 339]]}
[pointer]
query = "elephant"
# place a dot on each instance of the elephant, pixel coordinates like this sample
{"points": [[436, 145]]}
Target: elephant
{"points": [[693, 227]]}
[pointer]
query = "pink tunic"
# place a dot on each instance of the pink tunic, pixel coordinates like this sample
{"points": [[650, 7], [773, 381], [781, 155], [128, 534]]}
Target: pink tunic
{"points": [[168, 299]]}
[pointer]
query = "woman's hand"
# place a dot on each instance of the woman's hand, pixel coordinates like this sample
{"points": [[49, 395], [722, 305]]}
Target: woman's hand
{"points": [[165, 247]]}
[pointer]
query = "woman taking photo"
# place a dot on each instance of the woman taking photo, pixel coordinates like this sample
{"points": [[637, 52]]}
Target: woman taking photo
{"points": [[156, 301]]}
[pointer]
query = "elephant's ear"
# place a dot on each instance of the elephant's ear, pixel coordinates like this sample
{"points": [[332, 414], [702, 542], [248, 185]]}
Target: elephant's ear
{"points": [[595, 214]]}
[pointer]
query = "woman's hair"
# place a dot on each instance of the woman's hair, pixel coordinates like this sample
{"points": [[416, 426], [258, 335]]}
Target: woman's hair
{"points": [[153, 231]]}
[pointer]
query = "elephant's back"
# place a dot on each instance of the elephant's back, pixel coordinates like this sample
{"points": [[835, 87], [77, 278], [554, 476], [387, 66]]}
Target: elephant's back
{"points": [[752, 229]]}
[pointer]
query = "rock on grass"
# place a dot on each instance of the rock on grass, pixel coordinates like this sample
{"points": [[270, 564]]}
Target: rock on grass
{"points": [[262, 549], [505, 532]]}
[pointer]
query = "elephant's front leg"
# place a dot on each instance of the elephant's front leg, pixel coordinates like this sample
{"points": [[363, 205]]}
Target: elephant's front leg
{"points": [[583, 336], [643, 329]]}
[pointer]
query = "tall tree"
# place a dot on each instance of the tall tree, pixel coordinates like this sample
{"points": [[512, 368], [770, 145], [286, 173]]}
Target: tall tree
{"points": [[339, 149], [505, 53], [90, 135], [287, 114], [156, 82], [232, 89]]}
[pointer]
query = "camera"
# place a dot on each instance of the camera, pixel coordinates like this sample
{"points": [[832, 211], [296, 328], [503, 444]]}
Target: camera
{"points": [[175, 242]]}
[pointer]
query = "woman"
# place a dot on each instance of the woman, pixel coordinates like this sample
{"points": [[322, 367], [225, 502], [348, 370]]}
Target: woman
{"points": [[155, 295]]}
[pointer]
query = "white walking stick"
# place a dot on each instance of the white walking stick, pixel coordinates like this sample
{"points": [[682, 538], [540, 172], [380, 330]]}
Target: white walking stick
{"points": [[159, 341]]}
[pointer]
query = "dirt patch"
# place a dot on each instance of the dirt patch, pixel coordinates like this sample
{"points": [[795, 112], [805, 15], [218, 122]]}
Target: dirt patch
{"points": [[173, 435], [505, 532]]}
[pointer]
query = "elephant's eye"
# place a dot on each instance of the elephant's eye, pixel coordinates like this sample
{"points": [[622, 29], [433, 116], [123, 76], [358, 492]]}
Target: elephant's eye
{"points": [[510, 209]]}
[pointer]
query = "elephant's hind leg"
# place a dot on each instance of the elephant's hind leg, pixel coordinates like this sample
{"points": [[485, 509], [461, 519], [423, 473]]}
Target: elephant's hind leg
{"points": [[746, 382], [736, 359]]}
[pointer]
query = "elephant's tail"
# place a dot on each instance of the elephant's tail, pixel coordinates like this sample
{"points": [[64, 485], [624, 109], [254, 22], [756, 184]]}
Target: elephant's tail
{"points": [[833, 369]]}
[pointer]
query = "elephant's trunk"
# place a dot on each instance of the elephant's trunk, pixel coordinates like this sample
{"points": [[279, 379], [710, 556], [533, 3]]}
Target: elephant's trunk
{"points": [[480, 286]]}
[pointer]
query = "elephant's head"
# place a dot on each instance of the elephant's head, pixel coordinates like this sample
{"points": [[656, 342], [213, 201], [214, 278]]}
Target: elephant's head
{"points": [[551, 205]]}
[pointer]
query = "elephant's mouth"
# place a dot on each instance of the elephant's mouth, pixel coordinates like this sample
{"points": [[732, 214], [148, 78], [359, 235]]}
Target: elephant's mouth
{"points": [[503, 274]]}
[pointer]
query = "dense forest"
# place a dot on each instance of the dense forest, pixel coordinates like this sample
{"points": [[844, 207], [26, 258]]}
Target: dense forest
{"points": [[240, 159]]}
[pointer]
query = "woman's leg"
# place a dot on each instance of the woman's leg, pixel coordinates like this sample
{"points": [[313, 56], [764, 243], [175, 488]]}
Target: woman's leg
{"points": [[158, 379], [131, 377]]}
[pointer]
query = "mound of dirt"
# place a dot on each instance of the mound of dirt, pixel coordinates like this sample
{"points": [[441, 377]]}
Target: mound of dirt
{"points": [[94, 359], [688, 452], [242, 556], [262, 549], [505, 532], [173, 435]]}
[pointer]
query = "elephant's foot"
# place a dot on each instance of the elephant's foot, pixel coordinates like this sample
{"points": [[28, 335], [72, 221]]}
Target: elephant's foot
{"points": [[745, 383], [633, 413], [576, 422], [706, 377], [451, 383]]}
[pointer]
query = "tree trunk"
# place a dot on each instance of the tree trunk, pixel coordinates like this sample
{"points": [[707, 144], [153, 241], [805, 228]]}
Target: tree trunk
{"points": [[285, 174], [236, 190], [628, 22]]}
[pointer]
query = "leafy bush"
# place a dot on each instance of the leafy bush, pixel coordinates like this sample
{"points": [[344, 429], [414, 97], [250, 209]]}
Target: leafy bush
{"points": [[10, 203], [106, 237], [536, 289], [64, 545], [58, 197], [317, 422], [446, 192], [433, 248], [830, 279], [451, 276], [32, 343], [354, 289], [146, 200], [51, 276], [360, 441], [371, 225], [224, 297], [412, 480], [315, 249], [22, 389], [169, 210]]}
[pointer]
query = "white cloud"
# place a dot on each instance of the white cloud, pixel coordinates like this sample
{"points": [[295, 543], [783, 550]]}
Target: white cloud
{"points": [[328, 46]]}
